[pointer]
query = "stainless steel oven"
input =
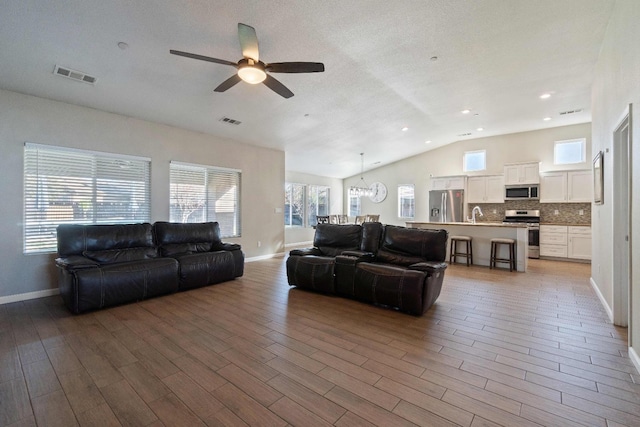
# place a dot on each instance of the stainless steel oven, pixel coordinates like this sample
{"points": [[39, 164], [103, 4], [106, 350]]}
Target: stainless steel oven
{"points": [[532, 219]]}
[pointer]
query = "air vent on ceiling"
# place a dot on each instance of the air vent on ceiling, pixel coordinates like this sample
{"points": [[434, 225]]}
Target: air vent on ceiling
{"points": [[564, 113], [465, 134], [74, 75], [230, 121]]}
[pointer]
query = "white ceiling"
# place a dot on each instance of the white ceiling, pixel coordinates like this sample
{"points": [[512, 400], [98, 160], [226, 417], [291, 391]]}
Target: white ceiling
{"points": [[495, 57]]}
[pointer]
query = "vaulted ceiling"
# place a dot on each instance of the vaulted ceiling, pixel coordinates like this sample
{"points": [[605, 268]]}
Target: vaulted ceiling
{"points": [[390, 65]]}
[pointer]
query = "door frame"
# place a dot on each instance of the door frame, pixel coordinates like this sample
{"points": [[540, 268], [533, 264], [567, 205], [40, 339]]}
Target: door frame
{"points": [[621, 197]]}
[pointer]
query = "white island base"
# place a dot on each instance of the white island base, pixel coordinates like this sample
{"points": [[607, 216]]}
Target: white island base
{"points": [[482, 233]]}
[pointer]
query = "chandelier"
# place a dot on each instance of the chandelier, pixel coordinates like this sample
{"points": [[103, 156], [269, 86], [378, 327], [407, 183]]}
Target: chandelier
{"points": [[362, 188]]}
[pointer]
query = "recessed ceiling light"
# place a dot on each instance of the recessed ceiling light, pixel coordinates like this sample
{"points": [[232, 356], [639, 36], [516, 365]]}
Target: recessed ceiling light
{"points": [[546, 119], [123, 45], [480, 129], [545, 96], [404, 129], [428, 141], [465, 111], [434, 58]]}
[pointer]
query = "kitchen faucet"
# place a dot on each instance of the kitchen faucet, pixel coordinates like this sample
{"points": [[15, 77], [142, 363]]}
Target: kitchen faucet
{"points": [[473, 214]]}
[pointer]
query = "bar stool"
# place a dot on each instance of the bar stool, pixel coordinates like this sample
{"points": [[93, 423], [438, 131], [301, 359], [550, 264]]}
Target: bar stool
{"points": [[453, 251], [494, 253]]}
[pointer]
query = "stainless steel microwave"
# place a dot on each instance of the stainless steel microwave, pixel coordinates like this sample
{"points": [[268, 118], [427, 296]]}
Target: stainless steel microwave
{"points": [[522, 192]]}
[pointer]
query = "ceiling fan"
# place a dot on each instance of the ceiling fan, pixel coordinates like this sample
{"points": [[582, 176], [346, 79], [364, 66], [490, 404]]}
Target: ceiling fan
{"points": [[251, 69]]}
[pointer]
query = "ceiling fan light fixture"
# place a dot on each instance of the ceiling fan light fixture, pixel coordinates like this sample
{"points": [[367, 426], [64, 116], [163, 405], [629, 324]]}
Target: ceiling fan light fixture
{"points": [[252, 72]]}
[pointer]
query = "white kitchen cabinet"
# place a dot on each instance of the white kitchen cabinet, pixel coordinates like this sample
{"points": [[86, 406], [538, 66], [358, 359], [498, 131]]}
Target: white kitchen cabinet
{"points": [[485, 189], [553, 187], [580, 186], [579, 242], [522, 173], [553, 241], [561, 241], [569, 187], [448, 183]]}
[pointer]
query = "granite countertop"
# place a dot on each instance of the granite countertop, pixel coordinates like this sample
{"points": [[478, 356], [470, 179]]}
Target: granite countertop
{"points": [[567, 224], [477, 224]]}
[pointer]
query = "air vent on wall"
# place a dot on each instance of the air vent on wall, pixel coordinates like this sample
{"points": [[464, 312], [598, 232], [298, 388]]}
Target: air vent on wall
{"points": [[230, 121], [564, 113], [74, 75]]}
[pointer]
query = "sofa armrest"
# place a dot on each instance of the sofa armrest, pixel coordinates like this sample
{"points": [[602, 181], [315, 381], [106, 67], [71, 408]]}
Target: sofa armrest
{"points": [[76, 262], [227, 247], [358, 255], [429, 266], [305, 251]]}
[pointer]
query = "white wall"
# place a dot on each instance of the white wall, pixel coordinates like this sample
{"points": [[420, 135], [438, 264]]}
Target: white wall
{"points": [[617, 84], [294, 235], [535, 146], [27, 118]]}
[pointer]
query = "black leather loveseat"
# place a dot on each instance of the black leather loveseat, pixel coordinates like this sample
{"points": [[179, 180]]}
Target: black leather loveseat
{"points": [[386, 265], [105, 265]]}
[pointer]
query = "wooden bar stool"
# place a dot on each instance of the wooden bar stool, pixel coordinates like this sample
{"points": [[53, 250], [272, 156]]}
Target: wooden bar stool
{"points": [[453, 250], [494, 253]]}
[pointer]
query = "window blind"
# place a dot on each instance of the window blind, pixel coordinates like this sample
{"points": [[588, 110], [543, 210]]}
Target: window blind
{"points": [[205, 193], [69, 186]]}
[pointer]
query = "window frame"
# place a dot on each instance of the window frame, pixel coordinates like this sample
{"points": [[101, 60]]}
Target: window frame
{"points": [[313, 194], [226, 209], [465, 161], [583, 150], [92, 187], [401, 192], [355, 209], [288, 189]]}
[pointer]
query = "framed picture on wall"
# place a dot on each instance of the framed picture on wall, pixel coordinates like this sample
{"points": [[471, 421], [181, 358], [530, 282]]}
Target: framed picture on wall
{"points": [[598, 179]]}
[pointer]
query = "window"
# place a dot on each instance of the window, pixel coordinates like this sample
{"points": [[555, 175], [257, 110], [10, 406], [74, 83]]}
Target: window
{"points": [[475, 161], [69, 186], [205, 193], [354, 205], [406, 201], [569, 151], [294, 205], [317, 203]]}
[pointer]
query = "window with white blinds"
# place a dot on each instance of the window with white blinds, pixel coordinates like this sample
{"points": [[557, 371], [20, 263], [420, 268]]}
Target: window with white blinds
{"points": [[205, 193], [69, 186]]}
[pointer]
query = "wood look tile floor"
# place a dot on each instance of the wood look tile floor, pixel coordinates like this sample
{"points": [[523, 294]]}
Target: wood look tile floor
{"points": [[497, 349]]}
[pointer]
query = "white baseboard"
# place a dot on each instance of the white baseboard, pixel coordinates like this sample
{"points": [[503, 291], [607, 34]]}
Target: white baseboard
{"points": [[29, 295], [634, 358], [602, 300]]}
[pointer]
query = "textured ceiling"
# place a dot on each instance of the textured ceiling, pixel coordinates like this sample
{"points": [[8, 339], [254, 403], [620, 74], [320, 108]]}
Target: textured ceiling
{"points": [[495, 57]]}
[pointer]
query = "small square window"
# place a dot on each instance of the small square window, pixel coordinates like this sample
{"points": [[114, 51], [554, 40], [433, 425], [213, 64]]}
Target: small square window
{"points": [[475, 161], [570, 151]]}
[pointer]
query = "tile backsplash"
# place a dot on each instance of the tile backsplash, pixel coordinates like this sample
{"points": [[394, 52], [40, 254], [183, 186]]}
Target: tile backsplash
{"points": [[568, 213]]}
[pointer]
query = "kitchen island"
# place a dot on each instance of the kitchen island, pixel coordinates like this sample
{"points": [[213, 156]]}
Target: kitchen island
{"points": [[482, 233]]}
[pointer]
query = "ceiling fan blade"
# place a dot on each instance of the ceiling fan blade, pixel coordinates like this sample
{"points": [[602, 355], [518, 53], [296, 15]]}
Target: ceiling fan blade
{"points": [[248, 41], [277, 87], [295, 67], [227, 84], [203, 58]]}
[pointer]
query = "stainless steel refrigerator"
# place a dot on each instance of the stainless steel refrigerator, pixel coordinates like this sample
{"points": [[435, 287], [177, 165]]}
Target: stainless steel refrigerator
{"points": [[446, 206]]}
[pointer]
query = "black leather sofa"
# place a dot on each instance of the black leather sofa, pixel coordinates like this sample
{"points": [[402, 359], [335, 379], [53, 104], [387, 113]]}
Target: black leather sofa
{"points": [[105, 265], [380, 264]]}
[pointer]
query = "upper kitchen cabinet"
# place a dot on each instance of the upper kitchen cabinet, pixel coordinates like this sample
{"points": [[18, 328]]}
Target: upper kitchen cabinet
{"points": [[485, 189], [448, 183], [566, 187], [522, 173]]}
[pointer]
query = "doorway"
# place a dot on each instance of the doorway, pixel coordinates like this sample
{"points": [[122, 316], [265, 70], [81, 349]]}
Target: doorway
{"points": [[621, 199]]}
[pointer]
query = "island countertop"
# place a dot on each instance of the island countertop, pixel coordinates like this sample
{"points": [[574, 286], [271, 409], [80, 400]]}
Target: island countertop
{"points": [[481, 234], [415, 224]]}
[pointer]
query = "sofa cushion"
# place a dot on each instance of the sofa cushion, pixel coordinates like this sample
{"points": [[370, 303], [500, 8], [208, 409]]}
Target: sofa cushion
{"points": [[74, 239], [206, 268], [333, 239], [429, 245], [174, 249], [110, 256]]}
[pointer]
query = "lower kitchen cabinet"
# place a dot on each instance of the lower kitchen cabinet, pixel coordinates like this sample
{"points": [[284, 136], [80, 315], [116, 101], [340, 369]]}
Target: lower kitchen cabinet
{"points": [[562, 241]]}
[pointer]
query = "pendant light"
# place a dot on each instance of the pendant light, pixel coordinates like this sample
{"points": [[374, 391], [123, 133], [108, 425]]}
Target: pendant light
{"points": [[362, 188]]}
